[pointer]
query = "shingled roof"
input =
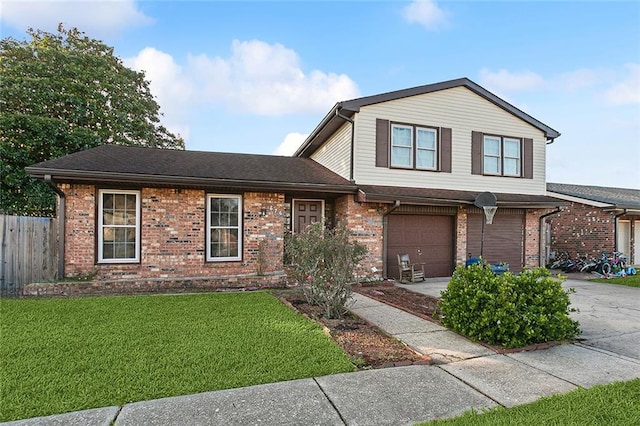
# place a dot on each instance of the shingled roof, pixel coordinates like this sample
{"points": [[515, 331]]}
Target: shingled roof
{"points": [[620, 198], [135, 165], [448, 197]]}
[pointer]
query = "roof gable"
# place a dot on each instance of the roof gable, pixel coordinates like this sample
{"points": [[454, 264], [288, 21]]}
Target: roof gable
{"points": [[332, 121]]}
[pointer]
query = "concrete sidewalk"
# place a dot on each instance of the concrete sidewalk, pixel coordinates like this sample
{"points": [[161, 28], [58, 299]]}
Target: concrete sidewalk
{"points": [[465, 375]]}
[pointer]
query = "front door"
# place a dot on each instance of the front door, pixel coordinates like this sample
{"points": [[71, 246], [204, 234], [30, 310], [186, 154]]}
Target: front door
{"points": [[306, 212]]}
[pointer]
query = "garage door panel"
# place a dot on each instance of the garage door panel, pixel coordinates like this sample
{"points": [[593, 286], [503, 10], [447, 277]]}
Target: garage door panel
{"points": [[432, 235], [503, 239]]}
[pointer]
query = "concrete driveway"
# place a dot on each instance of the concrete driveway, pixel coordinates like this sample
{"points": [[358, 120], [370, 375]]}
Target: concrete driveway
{"points": [[609, 315]]}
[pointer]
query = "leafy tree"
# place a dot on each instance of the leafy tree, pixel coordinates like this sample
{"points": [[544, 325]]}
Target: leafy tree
{"points": [[62, 93]]}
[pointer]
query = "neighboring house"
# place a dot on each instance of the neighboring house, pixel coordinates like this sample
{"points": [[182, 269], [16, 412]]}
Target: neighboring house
{"points": [[401, 170], [597, 219]]}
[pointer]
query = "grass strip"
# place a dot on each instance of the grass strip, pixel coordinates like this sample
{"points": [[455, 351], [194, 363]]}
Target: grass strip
{"points": [[629, 280], [616, 404], [60, 355]]}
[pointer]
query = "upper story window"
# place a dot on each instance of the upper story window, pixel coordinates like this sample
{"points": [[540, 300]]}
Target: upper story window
{"points": [[118, 226], [502, 156], [414, 147], [224, 230]]}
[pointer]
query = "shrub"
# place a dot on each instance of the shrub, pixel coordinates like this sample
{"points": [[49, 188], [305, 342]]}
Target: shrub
{"points": [[507, 310], [323, 261]]}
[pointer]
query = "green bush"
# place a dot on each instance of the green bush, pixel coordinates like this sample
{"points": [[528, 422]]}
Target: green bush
{"points": [[507, 310], [323, 261]]}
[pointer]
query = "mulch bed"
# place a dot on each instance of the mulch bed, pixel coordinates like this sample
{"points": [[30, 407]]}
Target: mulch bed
{"points": [[367, 345]]}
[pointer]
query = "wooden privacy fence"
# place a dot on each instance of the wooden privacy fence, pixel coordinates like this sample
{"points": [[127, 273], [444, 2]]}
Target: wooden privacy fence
{"points": [[28, 252]]}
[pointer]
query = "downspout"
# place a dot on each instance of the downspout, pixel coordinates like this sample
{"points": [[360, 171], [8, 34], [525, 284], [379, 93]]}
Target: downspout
{"points": [[541, 231], [61, 225], [353, 130], [385, 229], [615, 230]]}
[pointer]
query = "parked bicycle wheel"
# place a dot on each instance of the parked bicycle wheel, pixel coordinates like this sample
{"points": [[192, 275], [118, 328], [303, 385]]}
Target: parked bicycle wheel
{"points": [[605, 268]]}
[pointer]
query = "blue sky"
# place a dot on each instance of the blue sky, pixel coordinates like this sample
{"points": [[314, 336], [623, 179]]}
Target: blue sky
{"points": [[257, 76]]}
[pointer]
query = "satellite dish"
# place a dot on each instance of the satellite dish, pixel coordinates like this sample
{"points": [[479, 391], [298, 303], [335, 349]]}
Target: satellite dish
{"points": [[485, 199]]}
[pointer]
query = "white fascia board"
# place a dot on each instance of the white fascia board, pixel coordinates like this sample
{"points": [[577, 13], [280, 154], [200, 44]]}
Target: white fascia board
{"points": [[578, 200]]}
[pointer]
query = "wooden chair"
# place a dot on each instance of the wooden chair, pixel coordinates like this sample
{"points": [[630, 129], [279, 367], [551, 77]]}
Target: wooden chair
{"points": [[410, 271]]}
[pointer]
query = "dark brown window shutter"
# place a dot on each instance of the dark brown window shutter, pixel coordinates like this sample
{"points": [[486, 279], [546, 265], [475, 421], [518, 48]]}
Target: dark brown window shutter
{"points": [[527, 158], [382, 143], [476, 153], [445, 150]]}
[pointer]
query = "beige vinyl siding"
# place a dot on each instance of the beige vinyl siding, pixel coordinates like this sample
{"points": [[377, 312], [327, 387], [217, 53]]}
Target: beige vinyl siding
{"points": [[463, 111], [335, 153]]}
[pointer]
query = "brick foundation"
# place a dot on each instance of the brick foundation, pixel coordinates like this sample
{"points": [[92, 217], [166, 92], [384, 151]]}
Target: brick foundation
{"points": [[142, 286]]}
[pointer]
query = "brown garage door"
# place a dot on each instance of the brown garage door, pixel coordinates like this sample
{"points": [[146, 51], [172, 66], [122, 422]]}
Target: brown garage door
{"points": [[432, 235], [503, 239]]}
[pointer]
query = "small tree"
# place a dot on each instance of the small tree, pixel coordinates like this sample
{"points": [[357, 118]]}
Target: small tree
{"points": [[324, 261]]}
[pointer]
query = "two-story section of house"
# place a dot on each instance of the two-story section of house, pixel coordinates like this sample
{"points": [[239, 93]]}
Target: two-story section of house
{"points": [[420, 157]]}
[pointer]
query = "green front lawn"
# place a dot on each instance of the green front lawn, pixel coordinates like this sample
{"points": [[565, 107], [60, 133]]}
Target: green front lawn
{"points": [[629, 280], [60, 355], [611, 405]]}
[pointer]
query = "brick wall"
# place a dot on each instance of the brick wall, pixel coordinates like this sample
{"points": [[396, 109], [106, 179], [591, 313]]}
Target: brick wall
{"points": [[173, 236], [532, 239], [364, 221], [582, 229], [461, 236]]}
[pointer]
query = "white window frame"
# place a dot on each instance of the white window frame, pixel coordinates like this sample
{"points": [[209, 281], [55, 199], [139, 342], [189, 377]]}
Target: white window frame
{"points": [[238, 226], [102, 226], [410, 147], [518, 158], [434, 149], [498, 156]]}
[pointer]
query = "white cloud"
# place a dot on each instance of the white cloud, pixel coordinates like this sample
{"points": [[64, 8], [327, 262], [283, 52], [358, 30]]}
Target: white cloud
{"points": [[426, 13], [169, 84], [290, 144], [580, 79], [267, 79], [627, 91], [95, 17], [258, 78], [507, 81]]}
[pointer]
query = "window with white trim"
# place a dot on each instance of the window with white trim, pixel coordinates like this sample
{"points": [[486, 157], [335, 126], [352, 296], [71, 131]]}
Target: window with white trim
{"points": [[426, 144], [512, 156], [502, 156], [401, 146], [118, 226], [224, 230], [414, 147]]}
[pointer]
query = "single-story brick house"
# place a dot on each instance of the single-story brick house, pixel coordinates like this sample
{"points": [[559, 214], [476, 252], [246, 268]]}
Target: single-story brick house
{"points": [[401, 170], [597, 219]]}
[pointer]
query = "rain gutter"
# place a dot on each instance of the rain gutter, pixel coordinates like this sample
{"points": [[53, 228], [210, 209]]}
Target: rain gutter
{"points": [[61, 224], [541, 230], [353, 129], [385, 229]]}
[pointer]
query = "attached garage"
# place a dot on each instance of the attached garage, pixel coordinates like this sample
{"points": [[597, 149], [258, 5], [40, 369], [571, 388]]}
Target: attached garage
{"points": [[426, 238], [503, 239]]}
